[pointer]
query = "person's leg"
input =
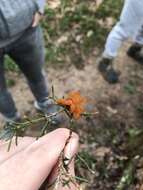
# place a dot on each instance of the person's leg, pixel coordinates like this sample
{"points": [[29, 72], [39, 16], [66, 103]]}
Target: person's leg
{"points": [[135, 51], [129, 24], [139, 37], [7, 106], [28, 53]]}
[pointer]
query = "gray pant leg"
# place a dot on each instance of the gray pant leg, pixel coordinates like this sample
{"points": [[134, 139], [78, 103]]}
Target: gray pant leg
{"points": [[28, 53], [7, 106], [139, 37]]}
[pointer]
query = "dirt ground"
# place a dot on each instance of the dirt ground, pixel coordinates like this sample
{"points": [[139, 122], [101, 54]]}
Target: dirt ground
{"points": [[104, 139]]}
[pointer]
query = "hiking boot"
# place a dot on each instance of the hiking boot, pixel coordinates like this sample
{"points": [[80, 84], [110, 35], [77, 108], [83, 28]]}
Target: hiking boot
{"points": [[135, 52], [107, 71], [48, 107]]}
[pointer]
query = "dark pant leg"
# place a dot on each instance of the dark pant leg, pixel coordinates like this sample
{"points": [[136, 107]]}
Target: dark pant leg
{"points": [[7, 106], [28, 53]]}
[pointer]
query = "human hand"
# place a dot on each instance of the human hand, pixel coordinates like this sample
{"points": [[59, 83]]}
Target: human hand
{"points": [[30, 163], [36, 19]]}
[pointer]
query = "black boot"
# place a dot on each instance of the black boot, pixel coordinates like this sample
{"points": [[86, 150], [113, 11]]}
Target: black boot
{"points": [[135, 52], [107, 71]]}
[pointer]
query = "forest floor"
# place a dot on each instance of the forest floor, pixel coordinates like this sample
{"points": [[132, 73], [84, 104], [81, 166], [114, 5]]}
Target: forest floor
{"points": [[110, 143]]}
